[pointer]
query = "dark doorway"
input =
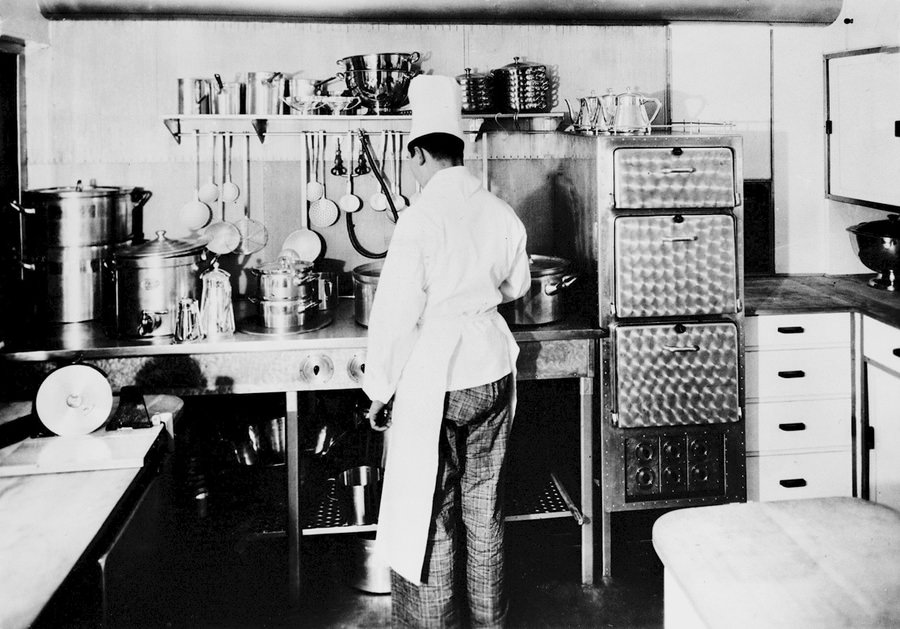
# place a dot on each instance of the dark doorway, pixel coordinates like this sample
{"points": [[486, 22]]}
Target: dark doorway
{"points": [[11, 151], [759, 228]]}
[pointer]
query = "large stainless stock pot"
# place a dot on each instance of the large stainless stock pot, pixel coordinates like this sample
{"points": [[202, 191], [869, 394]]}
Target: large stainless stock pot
{"points": [[365, 282], [78, 216], [150, 278], [71, 282], [543, 303]]}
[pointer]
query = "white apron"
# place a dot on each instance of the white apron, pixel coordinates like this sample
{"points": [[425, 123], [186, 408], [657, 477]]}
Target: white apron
{"points": [[412, 445]]}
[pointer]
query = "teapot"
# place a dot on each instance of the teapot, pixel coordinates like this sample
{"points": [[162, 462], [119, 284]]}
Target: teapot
{"points": [[631, 114]]}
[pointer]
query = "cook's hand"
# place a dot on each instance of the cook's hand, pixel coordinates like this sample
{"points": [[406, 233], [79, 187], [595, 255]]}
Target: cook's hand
{"points": [[377, 415]]}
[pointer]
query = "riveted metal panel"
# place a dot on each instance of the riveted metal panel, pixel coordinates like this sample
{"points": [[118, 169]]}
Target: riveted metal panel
{"points": [[671, 265], [674, 178], [676, 374]]}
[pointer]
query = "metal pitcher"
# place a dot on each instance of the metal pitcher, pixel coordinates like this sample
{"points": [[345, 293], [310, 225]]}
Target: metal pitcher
{"points": [[631, 114], [590, 118]]}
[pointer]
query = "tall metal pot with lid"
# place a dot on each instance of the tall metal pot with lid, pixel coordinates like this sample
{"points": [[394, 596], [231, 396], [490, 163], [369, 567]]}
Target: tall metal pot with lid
{"points": [[150, 279], [78, 216]]}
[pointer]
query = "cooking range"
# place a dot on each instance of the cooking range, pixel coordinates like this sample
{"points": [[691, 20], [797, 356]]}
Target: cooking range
{"points": [[661, 217]]}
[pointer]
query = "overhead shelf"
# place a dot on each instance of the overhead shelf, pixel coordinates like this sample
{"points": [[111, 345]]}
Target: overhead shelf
{"points": [[288, 124]]}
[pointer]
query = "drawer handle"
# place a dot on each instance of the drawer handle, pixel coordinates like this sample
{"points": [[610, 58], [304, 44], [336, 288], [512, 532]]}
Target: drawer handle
{"points": [[679, 238], [792, 426], [675, 349], [797, 373], [678, 171], [791, 329], [896, 351], [792, 483]]}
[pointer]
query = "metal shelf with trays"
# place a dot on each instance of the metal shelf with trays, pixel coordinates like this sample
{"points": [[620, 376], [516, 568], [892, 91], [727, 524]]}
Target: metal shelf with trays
{"points": [[289, 124]]}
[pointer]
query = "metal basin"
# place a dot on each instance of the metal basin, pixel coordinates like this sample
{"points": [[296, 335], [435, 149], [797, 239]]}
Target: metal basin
{"points": [[877, 243]]}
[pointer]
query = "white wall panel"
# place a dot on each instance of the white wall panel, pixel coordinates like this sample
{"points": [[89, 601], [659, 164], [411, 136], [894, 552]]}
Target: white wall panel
{"points": [[720, 72]]}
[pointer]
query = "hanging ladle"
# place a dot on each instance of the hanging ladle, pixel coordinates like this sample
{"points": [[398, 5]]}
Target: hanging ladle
{"points": [[209, 191], [195, 214], [230, 190], [350, 202]]}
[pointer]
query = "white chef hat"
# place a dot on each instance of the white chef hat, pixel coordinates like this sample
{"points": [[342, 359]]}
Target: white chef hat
{"points": [[436, 103]]}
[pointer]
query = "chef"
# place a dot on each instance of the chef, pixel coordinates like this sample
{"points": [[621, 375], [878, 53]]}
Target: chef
{"points": [[440, 350]]}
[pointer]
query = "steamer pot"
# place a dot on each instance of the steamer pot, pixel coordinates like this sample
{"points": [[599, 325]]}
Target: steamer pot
{"points": [[365, 282], [286, 280], [287, 314], [544, 301], [150, 279], [78, 216]]}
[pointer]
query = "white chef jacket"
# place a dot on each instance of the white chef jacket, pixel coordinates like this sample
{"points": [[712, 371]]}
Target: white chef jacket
{"points": [[455, 254]]}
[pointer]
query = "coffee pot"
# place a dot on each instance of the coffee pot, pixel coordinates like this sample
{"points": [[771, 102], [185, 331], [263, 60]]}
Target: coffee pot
{"points": [[631, 113]]}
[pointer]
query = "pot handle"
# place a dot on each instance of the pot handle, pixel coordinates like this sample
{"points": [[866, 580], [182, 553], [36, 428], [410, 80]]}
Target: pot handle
{"points": [[150, 320], [139, 197], [22, 210], [28, 266], [565, 282]]}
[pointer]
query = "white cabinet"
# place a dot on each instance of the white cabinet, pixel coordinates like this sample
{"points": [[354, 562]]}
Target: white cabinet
{"points": [[799, 406], [881, 353]]}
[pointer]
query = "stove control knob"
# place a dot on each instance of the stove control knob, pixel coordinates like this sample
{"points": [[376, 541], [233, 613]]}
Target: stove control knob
{"points": [[699, 474], [644, 451], [316, 369], [671, 476], [645, 477], [673, 449], [699, 450], [356, 368]]}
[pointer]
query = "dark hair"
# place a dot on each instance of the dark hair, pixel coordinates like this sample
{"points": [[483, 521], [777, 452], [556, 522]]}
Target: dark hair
{"points": [[441, 146]]}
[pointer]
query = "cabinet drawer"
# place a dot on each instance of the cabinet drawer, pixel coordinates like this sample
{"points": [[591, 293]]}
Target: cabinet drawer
{"points": [[797, 330], [790, 476], [881, 343], [780, 426], [797, 374]]}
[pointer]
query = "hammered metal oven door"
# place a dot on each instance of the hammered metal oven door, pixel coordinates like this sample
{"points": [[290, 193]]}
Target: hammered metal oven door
{"points": [[674, 178], [676, 374], [674, 265]]}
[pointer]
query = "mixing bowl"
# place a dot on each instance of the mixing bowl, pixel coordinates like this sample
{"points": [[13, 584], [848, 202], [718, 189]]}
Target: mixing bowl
{"points": [[384, 91], [877, 243]]}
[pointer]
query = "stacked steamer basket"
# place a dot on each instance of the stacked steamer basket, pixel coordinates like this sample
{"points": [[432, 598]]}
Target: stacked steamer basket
{"points": [[287, 296], [523, 87], [65, 235], [477, 92]]}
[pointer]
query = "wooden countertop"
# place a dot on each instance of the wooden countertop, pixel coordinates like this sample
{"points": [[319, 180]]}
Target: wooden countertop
{"points": [[826, 562], [805, 293]]}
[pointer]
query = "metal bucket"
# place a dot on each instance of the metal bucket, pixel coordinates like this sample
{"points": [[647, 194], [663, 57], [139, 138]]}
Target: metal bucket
{"points": [[359, 494], [367, 572]]}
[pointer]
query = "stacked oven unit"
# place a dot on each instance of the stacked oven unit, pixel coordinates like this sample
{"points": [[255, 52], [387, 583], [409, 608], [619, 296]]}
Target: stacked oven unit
{"points": [[670, 285]]}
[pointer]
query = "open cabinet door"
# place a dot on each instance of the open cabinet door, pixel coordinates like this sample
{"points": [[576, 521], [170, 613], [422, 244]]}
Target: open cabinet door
{"points": [[863, 127]]}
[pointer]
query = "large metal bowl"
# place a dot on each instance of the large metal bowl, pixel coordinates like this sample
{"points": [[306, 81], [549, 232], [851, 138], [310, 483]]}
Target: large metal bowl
{"points": [[384, 91], [877, 243], [402, 61]]}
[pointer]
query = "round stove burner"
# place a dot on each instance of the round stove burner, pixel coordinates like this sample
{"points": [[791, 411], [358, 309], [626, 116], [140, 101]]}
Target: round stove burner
{"points": [[315, 321]]}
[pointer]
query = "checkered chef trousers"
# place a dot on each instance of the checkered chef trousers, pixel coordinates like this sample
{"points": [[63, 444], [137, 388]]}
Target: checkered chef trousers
{"points": [[463, 574]]}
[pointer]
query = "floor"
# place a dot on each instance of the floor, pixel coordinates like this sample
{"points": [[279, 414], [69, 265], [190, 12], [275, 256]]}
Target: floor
{"points": [[244, 585]]}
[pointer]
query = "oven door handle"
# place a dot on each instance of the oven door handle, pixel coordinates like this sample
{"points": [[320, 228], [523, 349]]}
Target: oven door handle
{"points": [[676, 349], [679, 238], [678, 171]]}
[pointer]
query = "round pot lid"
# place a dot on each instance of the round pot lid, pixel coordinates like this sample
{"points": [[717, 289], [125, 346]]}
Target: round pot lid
{"points": [[74, 400], [889, 228], [547, 265], [161, 247], [77, 192], [285, 265], [522, 66]]}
